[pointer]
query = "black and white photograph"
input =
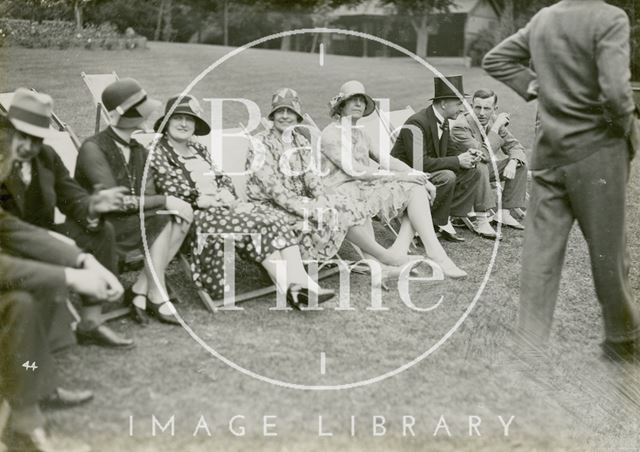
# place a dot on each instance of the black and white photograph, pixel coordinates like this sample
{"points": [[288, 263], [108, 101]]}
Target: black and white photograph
{"points": [[319, 225]]}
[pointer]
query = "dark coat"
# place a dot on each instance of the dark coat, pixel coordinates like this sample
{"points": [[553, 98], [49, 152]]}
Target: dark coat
{"points": [[51, 186], [422, 127]]}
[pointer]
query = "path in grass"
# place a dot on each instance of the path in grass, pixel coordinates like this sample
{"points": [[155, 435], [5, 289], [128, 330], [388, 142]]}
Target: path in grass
{"points": [[575, 402]]}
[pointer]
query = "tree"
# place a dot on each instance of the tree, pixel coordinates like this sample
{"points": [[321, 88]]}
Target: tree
{"points": [[419, 11]]}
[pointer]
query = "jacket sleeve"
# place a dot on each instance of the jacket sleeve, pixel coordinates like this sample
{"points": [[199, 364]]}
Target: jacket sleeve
{"points": [[612, 59], [509, 63], [512, 147], [23, 274], [22, 239], [416, 142], [72, 199]]}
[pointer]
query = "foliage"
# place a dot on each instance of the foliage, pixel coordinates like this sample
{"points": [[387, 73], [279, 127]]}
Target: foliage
{"points": [[484, 41], [63, 34]]}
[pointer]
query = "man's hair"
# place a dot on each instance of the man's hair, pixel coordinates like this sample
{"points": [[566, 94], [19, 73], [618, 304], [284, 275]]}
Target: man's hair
{"points": [[485, 94]]}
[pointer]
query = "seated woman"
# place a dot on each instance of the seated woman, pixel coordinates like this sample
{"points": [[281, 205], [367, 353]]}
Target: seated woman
{"points": [[349, 157], [111, 159], [285, 177], [183, 166]]}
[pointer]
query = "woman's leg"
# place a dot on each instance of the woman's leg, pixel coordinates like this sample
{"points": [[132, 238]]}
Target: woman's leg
{"points": [[293, 266], [362, 237], [405, 236]]}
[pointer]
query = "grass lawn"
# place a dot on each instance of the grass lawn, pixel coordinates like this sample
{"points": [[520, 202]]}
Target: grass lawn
{"points": [[577, 402]]}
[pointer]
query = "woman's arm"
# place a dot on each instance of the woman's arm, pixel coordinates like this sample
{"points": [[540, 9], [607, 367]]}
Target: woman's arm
{"points": [[331, 147]]}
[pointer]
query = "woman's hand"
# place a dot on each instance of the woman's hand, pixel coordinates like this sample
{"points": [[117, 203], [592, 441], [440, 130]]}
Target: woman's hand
{"points": [[181, 208]]}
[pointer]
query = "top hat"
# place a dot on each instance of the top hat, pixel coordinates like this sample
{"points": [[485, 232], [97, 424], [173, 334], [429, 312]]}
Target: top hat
{"points": [[347, 91], [443, 91], [286, 98], [186, 105], [30, 112], [127, 103]]}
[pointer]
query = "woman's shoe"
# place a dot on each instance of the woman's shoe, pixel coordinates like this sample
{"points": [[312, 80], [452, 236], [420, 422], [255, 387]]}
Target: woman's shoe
{"points": [[137, 313], [450, 269], [154, 310], [298, 296]]}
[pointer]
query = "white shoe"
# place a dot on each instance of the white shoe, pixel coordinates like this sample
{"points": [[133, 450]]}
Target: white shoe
{"points": [[506, 219], [484, 229], [450, 269]]}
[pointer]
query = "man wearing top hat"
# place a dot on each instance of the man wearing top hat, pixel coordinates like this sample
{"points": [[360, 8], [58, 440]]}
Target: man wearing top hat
{"points": [[39, 182], [423, 144]]}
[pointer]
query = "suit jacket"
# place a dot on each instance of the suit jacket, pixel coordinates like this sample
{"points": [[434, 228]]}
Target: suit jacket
{"points": [[51, 187], [465, 135], [31, 259], [574, 56], [419, 137]]}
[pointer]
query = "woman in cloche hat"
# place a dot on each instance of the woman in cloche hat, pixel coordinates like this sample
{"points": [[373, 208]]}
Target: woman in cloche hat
{"points": [[299, 193], [354, 170], [183, 167]]}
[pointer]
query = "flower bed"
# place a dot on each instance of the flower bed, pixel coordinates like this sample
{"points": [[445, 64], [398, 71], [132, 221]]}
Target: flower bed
{"points": [[62, 35]]}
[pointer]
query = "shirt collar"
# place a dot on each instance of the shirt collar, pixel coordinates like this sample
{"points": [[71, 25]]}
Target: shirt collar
{"points": [[438, 116]]}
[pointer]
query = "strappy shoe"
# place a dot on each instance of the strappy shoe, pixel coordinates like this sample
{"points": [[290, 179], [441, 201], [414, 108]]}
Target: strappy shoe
{"points": [[298, 296], [137, 313], [154, 310]]}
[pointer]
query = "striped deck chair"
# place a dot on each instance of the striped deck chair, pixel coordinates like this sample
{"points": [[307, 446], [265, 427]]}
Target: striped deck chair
{"points": [[96, 84]]}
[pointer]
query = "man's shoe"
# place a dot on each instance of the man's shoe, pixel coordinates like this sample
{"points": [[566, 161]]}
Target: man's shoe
{"points": [[628, 351], [484, 229], [66, 398], [507, 220], [449, 237], [104, 336]]}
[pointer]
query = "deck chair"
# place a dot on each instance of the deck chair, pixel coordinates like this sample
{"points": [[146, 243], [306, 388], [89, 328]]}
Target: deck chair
{"points": [[96, 84]]}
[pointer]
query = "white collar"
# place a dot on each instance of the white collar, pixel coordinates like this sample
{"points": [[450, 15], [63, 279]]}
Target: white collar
{"points": [[438, 115]]}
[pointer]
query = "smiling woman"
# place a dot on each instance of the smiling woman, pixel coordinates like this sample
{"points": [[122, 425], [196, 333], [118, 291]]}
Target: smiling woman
{"points": [[354, 170]]}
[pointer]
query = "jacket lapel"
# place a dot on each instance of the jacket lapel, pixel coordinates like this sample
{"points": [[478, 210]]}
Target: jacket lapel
{"points": [[432, 121], [46, 180]]}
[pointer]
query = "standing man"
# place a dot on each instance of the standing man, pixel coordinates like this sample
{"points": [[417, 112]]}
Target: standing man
{"points": [[423, 144], [581, 158], [511, 159], [39, 182]]}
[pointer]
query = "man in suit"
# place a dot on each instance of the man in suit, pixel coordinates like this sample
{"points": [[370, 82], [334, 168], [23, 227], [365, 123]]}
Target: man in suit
{"points": [[39, 182], [36, 273], [423, 144], [511, 159], [581, 158]]}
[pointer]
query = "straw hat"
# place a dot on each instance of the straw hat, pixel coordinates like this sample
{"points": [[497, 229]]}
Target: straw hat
{"points": [[30, 112], [347, 91]]}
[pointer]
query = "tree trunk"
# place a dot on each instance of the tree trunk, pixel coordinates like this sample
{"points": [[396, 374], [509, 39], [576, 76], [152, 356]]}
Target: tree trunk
{"points": [[285, 43], [77, 10], [158, 30], [225, 20], [422, 35], [507, 20], [167, 30]]}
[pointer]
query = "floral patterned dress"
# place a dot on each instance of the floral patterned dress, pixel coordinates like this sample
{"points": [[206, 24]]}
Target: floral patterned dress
{"points": [[383, 197], [191, 179], [321, 217]]}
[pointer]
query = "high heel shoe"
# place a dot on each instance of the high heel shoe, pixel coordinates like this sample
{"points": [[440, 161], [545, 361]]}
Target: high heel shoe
{"points": [[154, 310], [137, 314], [298, 296], [450, 269]]}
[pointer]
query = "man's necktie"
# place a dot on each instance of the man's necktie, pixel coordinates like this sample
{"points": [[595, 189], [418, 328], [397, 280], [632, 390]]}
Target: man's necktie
{"points": [[23, 172], [444, 139]]}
